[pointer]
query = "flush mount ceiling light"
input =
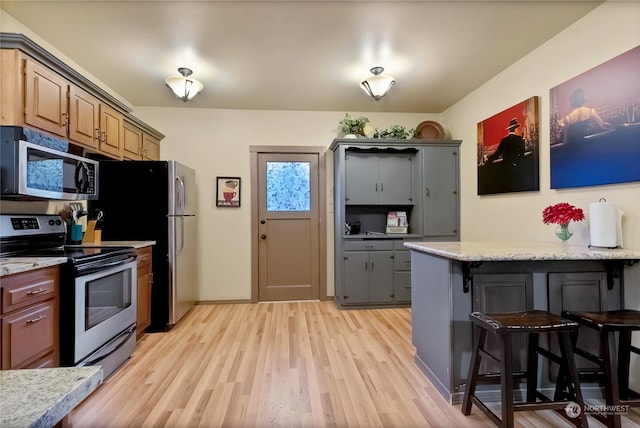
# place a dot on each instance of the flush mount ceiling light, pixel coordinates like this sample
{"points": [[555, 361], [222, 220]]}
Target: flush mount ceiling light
{"points": [[184, 87], [377, 85]]}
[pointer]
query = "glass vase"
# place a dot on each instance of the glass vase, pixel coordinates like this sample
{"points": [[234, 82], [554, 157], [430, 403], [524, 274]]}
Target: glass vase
{"points": [[564, 232]]}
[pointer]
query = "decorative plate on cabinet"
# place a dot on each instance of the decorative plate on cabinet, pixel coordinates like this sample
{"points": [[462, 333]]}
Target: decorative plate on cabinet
{"points": [[429, 130]]}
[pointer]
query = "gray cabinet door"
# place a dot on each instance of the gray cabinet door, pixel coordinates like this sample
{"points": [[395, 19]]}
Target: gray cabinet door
{"points": [[499, 293], [441, 191], [361, 178], [356, 277], [402, 286], [378, 179], [381, 276], [579, 291], [395, 172]]}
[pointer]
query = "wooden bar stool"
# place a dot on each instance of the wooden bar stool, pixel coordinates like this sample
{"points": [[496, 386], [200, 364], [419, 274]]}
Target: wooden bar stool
{"points": [[614, 372], [505, 326]]}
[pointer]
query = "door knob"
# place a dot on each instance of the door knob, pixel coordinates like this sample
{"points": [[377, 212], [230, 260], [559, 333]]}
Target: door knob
{"points": [[262, 222], [263, 236]]}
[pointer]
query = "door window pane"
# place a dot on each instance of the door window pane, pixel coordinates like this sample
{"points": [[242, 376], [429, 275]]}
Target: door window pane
{"points": [[288, 186]]}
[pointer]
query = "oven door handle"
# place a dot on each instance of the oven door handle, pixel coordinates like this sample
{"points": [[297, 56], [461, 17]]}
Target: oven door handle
{"points": [[110, 347], [102, 266]]}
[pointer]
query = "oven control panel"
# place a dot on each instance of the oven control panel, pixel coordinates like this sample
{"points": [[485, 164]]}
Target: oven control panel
{"points": [[12, 225]]}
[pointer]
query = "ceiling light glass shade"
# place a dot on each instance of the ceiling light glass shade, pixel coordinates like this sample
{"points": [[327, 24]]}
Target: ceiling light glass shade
{"points": [[377, 85], [184, 87]]}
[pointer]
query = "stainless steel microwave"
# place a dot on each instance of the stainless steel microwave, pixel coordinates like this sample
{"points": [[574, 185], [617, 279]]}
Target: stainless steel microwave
{"points": [[31, 170]]}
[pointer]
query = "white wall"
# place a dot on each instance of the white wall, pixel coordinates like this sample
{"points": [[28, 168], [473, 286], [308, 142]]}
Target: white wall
{"points": [[608, 31], [216, 143]]}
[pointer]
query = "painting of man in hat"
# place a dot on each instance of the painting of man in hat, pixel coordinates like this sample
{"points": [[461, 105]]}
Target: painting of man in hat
{"points": [[509, 163]]}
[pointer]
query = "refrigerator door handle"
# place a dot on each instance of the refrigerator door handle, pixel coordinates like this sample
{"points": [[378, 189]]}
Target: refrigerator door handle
{"points": [[181, 234], [182, 195]]}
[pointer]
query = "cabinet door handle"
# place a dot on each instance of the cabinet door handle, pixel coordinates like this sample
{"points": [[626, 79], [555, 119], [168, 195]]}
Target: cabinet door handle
{"points": [[371, 265], [376, 187], [382, 187], [427, 191], [366, 265], [34, 292], [97, 137], [40, 318]]}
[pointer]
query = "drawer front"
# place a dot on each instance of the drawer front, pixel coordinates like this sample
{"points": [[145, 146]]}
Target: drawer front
{"points": [[402, 260], [368, 245], [402, 286], [24, 289], [29, 334]]}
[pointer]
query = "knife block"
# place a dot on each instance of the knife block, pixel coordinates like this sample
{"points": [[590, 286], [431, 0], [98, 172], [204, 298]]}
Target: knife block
{"points": [[92, 235]]}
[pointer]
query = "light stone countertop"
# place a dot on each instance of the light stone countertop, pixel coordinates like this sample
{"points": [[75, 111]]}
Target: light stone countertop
{"points": [[11, 265], [42, 397], [476, 251]]}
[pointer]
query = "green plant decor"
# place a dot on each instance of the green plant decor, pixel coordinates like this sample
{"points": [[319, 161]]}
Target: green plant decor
{"points": [[394, 131], [353, 125]]}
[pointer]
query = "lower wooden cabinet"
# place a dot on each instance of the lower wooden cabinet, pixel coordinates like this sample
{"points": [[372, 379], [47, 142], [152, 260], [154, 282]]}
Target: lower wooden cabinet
{"points": [[30, 311], [145, 281]]}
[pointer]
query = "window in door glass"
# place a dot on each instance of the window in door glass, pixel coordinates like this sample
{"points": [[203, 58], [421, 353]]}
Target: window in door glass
{"points": [[288, 186]]}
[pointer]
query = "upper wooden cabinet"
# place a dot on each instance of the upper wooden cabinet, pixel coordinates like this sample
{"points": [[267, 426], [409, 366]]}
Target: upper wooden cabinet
{"points": [[39, 91], [84, 118], [111, 131], [45, 99], [139, 145]]}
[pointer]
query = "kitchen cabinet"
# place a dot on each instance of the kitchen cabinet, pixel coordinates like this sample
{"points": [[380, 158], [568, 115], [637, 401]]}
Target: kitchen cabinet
{"points": [[84, 118], [45, 99], [379, 179], [441, 189], [150, 147], [111, 131], [145, 283], [401, 273], [131, 141], [29, 319], [368, 272], [139, 145], [450, 280], [39, 91], [500, 293], [373, 177]]}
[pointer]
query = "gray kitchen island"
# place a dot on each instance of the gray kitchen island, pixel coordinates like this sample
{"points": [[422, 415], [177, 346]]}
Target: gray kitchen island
{"points": [[452, 279]]}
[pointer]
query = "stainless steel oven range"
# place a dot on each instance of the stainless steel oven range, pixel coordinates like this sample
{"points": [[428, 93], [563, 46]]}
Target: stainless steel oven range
{"points": [[97, 290]]}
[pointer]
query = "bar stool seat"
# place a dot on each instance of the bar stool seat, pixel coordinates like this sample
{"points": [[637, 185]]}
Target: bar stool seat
{"points": [[614, 371], [532, 323]]}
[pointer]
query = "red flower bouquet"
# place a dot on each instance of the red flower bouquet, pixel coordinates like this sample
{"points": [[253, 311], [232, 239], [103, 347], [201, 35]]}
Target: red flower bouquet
{"points": [[562, 213]]}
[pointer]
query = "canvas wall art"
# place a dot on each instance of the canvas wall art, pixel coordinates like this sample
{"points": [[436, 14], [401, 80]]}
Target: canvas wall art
{"points": [[508, 150], [595, 125]]}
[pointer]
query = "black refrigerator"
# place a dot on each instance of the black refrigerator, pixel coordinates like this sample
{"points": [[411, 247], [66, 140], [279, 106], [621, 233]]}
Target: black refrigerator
{"points": [[155, 201]]}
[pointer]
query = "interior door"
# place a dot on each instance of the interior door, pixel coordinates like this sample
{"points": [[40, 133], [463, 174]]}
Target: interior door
{"points": [[288, 229]]}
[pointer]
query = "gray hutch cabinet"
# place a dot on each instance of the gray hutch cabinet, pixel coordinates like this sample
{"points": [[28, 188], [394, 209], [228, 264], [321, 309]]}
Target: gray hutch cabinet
{"points": [[373, 177]]}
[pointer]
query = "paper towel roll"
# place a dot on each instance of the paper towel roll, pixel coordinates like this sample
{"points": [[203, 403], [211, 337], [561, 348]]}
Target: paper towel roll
{"points": [[603, 224]]}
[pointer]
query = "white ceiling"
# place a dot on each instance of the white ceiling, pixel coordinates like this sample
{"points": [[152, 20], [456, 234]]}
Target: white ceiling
{"points": [[297, 55]]}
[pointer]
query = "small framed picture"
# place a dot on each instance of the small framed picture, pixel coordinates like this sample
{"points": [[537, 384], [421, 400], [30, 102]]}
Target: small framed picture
{"points": [[228, 192]]}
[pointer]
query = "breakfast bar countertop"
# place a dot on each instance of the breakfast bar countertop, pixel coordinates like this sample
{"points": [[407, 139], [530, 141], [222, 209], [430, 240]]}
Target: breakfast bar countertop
{"points": [[478, 251], [42, 397]]}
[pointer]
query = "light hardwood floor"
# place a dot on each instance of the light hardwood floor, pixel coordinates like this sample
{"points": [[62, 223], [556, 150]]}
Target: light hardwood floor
{"points": [[295, 364]]}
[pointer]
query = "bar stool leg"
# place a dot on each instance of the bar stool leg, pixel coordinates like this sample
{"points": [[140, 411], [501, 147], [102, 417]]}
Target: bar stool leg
{"points": [[568, 362], [611, 391], [532, 367], [506, 380], [472, 379], [624, 357]]}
